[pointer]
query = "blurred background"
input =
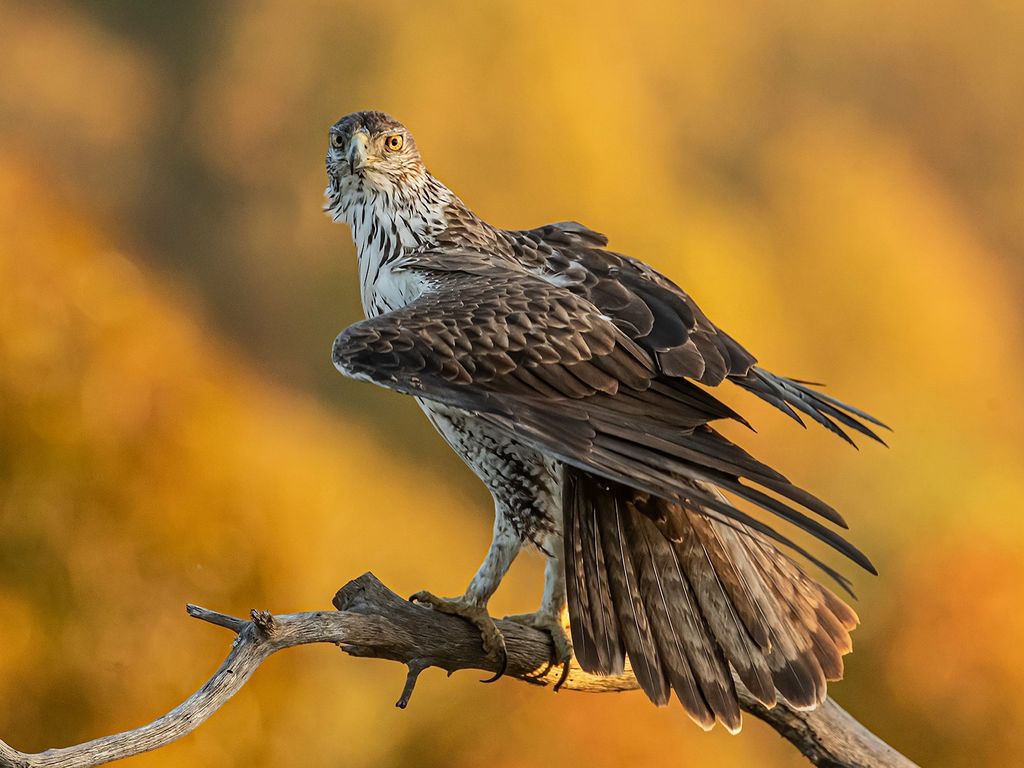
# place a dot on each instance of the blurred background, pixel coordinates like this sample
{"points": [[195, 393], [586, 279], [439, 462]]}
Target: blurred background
{"points": [[840, 186]]}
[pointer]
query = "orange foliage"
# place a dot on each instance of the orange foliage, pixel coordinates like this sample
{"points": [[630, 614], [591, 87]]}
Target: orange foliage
{"points": [[840, 187]]}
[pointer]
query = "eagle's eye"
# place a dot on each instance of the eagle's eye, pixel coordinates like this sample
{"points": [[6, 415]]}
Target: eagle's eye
{"points": [[336, 140], [394, 142]]}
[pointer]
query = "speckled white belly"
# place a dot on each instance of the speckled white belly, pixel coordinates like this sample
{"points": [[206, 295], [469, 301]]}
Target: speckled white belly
{"points": [[527, 486]]}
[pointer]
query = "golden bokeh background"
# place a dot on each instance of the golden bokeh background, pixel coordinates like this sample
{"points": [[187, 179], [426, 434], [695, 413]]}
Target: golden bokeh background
{"points": [[840, 185]]}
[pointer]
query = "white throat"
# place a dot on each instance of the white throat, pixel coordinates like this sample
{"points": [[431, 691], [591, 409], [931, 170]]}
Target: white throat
{"points": [[387, 225]]}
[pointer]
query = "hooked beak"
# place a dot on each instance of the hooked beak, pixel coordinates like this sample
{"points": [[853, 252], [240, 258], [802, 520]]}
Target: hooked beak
{"points": [[358, 150]]}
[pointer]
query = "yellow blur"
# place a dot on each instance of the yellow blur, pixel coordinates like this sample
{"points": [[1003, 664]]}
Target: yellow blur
{"points": [[840, 186]]}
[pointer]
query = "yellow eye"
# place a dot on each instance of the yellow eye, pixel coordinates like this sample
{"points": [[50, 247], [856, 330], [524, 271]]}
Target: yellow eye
{"points": [[394, 142], [336, 140]]}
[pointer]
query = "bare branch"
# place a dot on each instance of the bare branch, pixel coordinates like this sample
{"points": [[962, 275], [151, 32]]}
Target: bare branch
{"points": [[219, 619], [372, 621]]}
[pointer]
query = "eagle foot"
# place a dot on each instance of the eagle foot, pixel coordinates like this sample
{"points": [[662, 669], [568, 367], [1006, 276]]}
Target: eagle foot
{"points": [[490, 636], [560, 643]]}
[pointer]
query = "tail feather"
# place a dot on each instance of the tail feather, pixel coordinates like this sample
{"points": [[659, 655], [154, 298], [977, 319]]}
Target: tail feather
{"points": [[634, 626], [666, 588], [738, 580], [595, 630], [688, 646], [721, 596], [686, 597], [810, 609], [797, 673], [726, 633]]}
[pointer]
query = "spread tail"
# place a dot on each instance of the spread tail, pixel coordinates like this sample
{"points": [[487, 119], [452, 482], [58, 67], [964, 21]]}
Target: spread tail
{"points": [[685, 597]]}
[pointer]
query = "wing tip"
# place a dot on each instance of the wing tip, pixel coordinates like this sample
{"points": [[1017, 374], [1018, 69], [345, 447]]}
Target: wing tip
{"points": [[785, 393]]}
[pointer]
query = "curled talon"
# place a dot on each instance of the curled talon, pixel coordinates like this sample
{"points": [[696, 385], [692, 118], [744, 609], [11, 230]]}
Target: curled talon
{"points": [[563, 677], [560, 644], [502, 668], [538, 677], [490, 636]]}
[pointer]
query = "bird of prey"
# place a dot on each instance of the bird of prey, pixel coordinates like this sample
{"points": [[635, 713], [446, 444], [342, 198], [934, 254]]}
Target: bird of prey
{"points": [[577, 383]]}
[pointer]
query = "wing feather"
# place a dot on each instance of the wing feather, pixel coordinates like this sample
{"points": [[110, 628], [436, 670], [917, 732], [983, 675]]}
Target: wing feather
{"points": [[522, 370], [666, 322]]}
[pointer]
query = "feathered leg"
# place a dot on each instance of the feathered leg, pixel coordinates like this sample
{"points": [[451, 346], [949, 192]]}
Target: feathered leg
{"points": [[551, 617], [472, 606]]}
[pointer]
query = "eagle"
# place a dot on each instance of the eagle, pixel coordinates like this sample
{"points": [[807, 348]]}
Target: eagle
{"points": [[578, 384]]}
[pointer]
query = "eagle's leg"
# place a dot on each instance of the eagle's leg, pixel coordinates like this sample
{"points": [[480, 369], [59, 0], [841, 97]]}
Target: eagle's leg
{"points": [[472, 606], [550, 617]]}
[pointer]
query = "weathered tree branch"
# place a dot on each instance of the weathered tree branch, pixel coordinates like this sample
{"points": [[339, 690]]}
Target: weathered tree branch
{"points": [[373, 621]]}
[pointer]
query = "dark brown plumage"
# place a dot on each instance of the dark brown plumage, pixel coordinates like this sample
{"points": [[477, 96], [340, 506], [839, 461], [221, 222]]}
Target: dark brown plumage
{"points": [[574, 380], [519, 352]]}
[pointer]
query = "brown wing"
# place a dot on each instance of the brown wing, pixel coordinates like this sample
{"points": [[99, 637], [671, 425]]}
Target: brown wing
{"points": [[647, 306], [668, 324], [553, 371]]}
